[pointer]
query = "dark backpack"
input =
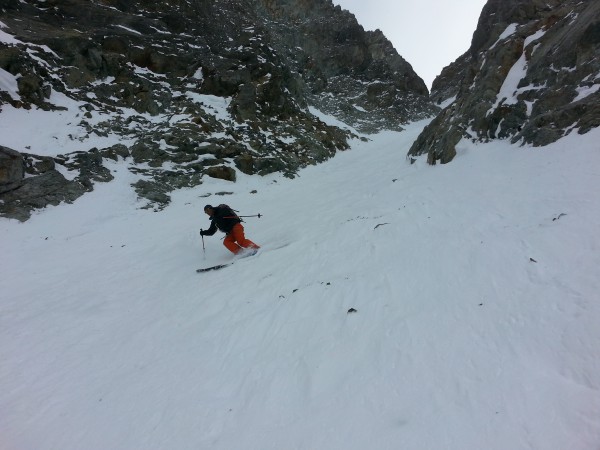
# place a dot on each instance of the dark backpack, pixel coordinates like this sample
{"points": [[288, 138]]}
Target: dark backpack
{"points": [[229, 213]]}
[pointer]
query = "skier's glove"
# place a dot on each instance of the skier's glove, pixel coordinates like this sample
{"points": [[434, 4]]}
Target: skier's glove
{"points": [[202, 233]]}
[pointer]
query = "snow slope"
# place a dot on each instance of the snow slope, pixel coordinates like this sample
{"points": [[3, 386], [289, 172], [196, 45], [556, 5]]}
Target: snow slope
{"points": [[475, 286]]}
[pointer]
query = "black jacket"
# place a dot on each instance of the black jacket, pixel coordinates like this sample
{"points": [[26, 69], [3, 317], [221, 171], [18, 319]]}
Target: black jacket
{"points": [[223, 219]]}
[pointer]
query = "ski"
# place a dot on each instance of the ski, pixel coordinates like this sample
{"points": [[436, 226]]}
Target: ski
{"points": [[217, 267], [220, 266]]}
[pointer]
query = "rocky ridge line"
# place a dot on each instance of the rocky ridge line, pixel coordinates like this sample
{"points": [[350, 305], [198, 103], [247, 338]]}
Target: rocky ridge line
{"points": [[531, 75], [194, 89]]}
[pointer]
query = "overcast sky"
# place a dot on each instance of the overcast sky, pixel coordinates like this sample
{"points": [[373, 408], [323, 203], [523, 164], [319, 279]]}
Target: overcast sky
{"points": [[429, 34]]}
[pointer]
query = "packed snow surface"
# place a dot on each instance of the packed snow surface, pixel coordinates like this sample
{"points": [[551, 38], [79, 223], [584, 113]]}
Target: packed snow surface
{"points": [[475, 289]]}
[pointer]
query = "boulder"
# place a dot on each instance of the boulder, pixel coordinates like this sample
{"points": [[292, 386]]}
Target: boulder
{"points": [[245, 163], [32, 88], [221, 172]]}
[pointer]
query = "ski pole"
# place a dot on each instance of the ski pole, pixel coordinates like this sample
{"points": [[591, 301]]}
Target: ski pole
{"points": [[259, 215], [203, 249]]}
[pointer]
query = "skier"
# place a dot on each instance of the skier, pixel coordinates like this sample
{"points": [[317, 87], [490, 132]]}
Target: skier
{"points": [[223, 218]]}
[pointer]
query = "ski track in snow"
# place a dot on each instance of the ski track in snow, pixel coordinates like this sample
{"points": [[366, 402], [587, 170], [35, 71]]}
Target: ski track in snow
{"points": [[476, 322]]}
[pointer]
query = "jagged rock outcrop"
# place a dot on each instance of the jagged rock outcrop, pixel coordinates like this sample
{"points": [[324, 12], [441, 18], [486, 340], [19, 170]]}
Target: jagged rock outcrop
{"points": [[29, 182], [531, 75], [206, 88]]}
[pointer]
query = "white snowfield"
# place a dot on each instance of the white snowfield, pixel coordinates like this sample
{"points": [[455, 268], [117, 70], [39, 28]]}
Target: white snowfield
{"points": [[475, 287]]}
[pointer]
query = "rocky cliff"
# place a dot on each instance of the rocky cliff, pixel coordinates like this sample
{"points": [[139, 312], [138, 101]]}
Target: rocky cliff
{"points": [[531, 75], [192, 88]]}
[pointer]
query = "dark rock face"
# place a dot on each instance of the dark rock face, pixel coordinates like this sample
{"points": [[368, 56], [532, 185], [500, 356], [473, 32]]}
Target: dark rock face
{"points": [[29, 182], [530, 75], [46, 187], [355, 75], [12, 169], [187, 79]]}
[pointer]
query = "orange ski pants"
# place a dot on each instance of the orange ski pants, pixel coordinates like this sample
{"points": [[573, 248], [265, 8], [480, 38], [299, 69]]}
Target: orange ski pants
{"points": [[235, 240]]}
